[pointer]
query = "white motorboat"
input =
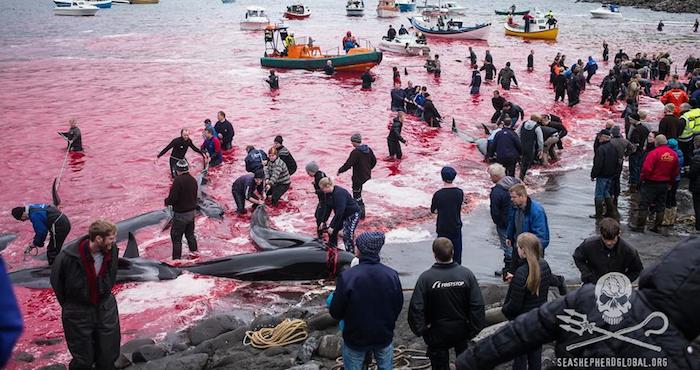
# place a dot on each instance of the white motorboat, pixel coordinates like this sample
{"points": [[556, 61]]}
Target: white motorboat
{"points": [[607, 11], [355, 8], [255, 19], [76, 8], [404, 45], [387, 9], [451, 29], [121, 2], [449, 7], [102, 4]]}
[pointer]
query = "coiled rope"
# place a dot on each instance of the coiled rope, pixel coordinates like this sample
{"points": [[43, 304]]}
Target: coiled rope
{"points": [[403, 358], [287, 332]]}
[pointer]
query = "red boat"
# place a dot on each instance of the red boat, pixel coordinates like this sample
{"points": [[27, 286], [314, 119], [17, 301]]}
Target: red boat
{"points": [[297, 11]]}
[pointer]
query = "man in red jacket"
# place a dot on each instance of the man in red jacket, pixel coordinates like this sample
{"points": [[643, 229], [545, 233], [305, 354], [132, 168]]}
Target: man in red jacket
{"points": [[675, 97], [659, 172]]}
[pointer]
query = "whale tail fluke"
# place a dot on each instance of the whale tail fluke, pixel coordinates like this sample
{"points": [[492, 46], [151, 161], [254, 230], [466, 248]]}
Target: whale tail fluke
{"points": [[54, 193], [132, 249]]}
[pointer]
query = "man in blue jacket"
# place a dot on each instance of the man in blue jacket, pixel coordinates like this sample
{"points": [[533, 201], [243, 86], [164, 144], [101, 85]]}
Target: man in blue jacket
{"points": [[500, 205], [46, 219], [526, 216], [369, 298], [506, 147], [10, 317]]}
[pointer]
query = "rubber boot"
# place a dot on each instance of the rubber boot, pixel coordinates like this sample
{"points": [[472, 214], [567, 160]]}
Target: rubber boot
{"points": [[641, 222], [632, 189], [599, 207], [658, 222], [611, 209], [361, 203], [669, 216]]}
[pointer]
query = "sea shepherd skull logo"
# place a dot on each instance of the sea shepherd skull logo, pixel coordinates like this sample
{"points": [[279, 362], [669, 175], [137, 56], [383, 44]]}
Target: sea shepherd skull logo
{"points": [[613, 292]]}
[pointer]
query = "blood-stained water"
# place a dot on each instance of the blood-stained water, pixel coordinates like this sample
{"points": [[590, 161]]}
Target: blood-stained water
{"points": [[133, 76]]}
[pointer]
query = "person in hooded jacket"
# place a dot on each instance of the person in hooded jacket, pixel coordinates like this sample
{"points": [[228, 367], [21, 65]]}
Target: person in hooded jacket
{"points": [[667, 288], [212, 146], [362, 160], [514, 111], [638, 135], [528, 290], [82, 278], [430, 113], [46, 220], [320, 213], [255, 160], [447, 308], [624, 149], [603, 172], [532, 140], [447, 204], [505, 76], [525, 216], [500, 205], [676, 97], [694, 177], [476, 82], [248, 188], [10, 317], [590, 69], [367, 80], [346, 214], [395, 139], [670, 125], [573, 88], [285, 155], [506, 148], [277, 177]]}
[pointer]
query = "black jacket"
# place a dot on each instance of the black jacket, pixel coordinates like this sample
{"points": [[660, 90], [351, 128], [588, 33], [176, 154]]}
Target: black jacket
{"points": [[670, 126], [671, 287], [288, 159], [498, 103], [254, 160], [367, 80], [179, 147], [362, 161], [74, 135], [447, 307], [318, 176], [183, 194], [605, 161], [519, 299], [395, 131], [560, 83], [343, 206], [694, 173], [225, 128], [430, 112], [594, 259]]}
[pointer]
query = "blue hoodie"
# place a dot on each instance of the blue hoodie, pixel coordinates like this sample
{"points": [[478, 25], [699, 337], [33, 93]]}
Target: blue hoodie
{"points": [[673, 144], [42, 216], [10, 317]]}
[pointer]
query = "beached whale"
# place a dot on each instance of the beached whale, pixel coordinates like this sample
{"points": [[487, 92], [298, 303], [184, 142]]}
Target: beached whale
{"points": [[6, 239]]}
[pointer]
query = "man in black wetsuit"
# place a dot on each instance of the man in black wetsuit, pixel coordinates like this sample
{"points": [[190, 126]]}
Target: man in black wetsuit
{"points": [[320, 213], [367, 80], [273, 81], [179, 145], [75, 139]]}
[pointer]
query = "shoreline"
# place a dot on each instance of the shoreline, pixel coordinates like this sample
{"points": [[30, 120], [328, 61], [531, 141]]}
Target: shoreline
{"points": [[669, 6]]}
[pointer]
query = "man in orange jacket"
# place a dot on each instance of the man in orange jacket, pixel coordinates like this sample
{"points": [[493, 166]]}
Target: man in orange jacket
{"points": [[675, 97]]}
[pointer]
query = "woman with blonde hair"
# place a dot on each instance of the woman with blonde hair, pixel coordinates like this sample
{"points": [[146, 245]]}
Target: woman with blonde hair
{"points": [[527, 291]]}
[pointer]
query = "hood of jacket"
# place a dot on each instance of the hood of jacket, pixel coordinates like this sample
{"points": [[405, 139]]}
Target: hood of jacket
{"points": [[507, 182], [363, 148], [529, 124], [672, 286], [283, 151]]}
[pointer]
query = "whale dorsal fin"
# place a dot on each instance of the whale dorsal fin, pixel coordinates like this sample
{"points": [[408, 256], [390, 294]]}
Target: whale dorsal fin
{"points": [[132, 249]]}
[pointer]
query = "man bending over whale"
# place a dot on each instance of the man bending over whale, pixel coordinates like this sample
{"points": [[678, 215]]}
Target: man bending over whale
{"points": [[46, 219], [346, 214], [179, 145]]}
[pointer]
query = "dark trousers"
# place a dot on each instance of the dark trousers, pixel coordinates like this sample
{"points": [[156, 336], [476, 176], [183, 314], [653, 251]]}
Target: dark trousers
{"points": [[636, 160], [357, 195], [349, 227], [173, 166], [240, 202], [495, 116], [58, 233], [440, 358], [524, 166], [607, 97], [319, 215], [671, 195], [573, 98], [588, 78], [276, 191], [394, 148], [653, 193], [559, 94], [662, 75], [92, 334], [183, 223], [227, 145], [532, 360], [687, 148], [509, 164], [696, 207], [456, 239]]}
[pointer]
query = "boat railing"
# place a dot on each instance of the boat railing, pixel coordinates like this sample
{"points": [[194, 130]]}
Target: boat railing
{"points": [[332, 51]]}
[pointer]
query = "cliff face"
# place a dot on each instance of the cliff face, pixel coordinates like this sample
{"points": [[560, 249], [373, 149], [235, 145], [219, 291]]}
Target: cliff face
{"points": [[671, 6]]}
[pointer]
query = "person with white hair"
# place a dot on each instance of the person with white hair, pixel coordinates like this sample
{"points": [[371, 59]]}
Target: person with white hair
{"points": [[500, 205]]}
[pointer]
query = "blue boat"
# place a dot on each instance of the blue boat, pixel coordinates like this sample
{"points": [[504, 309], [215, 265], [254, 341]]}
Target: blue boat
{"points": [[406, 6], [102, 4]]}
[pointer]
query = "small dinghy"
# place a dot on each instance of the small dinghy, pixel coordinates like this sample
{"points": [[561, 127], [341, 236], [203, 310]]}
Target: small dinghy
{"points": [[76, 8], [452, 29], [297, 11], [404, 45], [355, 8], [607, 11]]}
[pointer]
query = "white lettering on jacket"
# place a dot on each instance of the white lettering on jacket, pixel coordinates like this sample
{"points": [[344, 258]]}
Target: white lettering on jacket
{"points": [[449, 284]]}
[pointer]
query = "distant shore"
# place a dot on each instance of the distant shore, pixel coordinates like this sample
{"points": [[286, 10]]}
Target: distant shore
{"points": [[671, 6]]}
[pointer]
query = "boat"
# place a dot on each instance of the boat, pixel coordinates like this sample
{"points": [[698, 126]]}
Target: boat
{"points": [[404, 45], [102, 4], [513, 12], [406, 6], [76, 8], [121, 2], [141, 2], [305, 55], [445, 8], [228, 1], [452, 30], [607, 11], [387, 9], [355, 8], [297, 11], [255, 19], [538, 29]]}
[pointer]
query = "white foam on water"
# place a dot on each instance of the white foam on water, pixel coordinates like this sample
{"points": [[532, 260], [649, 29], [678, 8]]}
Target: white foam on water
{"points": [[157, 294], [406, 235], [401, 196]]}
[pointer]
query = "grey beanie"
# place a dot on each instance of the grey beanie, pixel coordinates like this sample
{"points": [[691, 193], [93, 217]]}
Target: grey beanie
{"points": [[356, 138], [312, 167]]}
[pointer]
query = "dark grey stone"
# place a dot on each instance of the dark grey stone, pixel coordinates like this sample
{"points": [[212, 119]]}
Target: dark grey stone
{"points": [[275, 351], [192, 362], [296, 313], [123, 361], [48, 341], [24, 357], [226, 340], [330, 347], [313, 365], [321, 321], [230, 359], [212, 327], [307, 350], [135, 344], [147, 353], [265, 321], [53, 367]]}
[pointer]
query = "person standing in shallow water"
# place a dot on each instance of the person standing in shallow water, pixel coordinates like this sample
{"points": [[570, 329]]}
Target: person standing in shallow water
{"points": [[75, 139], [606, 52], [447, 203], [531, 61], [476, 82], [179, 145], [313, 171], [395, 139], [273, 81], [346, 214], [183, 200], [362, 160]]}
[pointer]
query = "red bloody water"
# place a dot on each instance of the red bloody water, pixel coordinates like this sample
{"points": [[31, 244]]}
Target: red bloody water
{"points": [[135, 75]]}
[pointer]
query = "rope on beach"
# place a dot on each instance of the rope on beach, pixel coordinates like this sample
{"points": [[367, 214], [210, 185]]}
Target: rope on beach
{"points": [[287, 332], [403, 358]]}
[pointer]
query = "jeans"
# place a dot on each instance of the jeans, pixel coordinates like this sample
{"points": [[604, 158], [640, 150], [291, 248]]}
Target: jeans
{"points": [[602, 187], [456, 239], [507, 251], [635, 167], [531, 360], [183, 223], [353, 360]]}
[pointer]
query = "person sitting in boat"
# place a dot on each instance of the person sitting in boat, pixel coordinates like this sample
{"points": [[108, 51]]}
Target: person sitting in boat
{"points": [[273, 81], [420, 38], [391, 33], [551, 22], [349, 42], [403, 31], [289, 40], [328, 68]]}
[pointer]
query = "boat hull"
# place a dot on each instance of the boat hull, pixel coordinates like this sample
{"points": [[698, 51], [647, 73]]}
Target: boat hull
{"points": [[352, 62], [289, 15], [254, 25], [388, 13], [354, 12], [145, 1], [550, 34], [479, 32], [605, 15], [521, 12], [75, 12], [407, 7], [401, 48], [105, 4]]}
